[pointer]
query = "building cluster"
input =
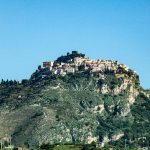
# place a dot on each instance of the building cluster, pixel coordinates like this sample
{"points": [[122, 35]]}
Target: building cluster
{"points": [[83, 63]]}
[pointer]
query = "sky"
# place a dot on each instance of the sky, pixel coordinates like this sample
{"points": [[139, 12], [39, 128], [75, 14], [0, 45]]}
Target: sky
{"points": [[33, 31]]}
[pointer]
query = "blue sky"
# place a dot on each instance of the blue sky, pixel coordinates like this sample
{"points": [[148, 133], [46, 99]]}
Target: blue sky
{"points": [[32, 31]]}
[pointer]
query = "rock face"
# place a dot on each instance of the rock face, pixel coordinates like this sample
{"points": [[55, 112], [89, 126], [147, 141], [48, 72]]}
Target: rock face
{"points": [[75, 100]]}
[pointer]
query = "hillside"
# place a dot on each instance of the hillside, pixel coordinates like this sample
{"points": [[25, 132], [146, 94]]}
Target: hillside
{"points": [[76, 100]]}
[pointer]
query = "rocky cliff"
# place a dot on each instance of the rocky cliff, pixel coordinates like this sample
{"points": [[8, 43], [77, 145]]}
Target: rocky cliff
{"points": [[76, 100]]}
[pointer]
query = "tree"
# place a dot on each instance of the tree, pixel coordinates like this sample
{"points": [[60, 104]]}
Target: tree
{"points": [[39, 67], [2, 82]]}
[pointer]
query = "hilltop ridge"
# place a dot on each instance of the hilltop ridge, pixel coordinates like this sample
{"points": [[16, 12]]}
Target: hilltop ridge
{"points": [[77, 62]]}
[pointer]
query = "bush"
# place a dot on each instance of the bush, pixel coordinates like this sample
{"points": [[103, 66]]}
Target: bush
{"points": [[46, 147]]}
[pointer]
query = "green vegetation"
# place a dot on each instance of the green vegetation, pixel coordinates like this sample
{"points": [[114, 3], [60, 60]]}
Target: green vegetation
{"points": [[82, 147], [50, 111], [68, 57]]}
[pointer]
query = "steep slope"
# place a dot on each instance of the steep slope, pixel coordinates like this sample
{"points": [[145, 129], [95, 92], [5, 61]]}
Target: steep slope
{"points": [[76, 101]]}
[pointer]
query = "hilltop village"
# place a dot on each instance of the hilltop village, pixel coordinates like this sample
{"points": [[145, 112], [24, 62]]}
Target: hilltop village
{"points": [[76, 61]]}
